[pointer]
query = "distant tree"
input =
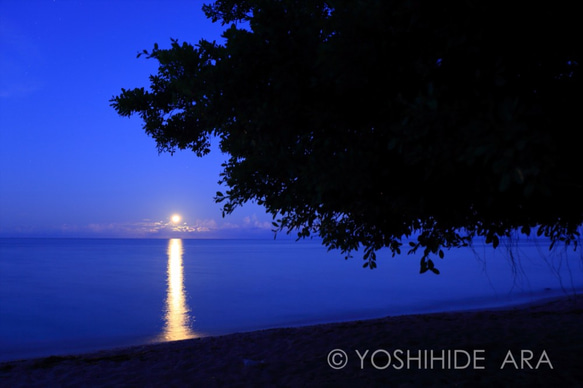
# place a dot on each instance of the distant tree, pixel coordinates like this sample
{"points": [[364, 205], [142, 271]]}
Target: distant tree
{"points": [[369, 123]]}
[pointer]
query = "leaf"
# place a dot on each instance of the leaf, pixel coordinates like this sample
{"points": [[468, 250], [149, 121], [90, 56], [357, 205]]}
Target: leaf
{"points": [[504, 182], [435, 271], [441, 254], [495, 241]]}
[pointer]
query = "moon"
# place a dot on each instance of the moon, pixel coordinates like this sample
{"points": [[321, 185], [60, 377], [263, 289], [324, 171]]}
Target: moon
{"points": [[175, 218]]}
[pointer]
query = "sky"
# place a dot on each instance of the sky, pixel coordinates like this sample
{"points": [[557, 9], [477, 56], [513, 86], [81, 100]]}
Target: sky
{"points": [[69, 165]]}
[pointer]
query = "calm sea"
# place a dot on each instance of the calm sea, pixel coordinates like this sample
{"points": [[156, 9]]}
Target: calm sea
{"points": [[60, 296]]}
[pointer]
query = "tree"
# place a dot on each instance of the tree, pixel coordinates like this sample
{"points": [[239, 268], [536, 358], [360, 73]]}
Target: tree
{"points": [[368, 122]]}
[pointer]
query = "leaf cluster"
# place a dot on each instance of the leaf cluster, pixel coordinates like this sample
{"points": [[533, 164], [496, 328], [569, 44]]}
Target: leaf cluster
{"points": [[370, 122]]}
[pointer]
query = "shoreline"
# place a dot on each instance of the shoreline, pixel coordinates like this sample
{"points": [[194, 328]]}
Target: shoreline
{"points": [[72, 348], [545, 333]]}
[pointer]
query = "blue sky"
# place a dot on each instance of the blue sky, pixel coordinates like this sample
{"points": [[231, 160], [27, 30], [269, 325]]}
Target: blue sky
{"points": [[69, 165]]}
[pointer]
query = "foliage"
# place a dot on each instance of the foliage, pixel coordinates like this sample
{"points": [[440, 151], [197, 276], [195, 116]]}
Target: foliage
{"points": [[368, 122]]}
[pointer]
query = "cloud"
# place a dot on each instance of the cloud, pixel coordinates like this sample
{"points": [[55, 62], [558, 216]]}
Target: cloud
{"points": [[148, 228], [199, 228], [254, 222], [248, 227]]}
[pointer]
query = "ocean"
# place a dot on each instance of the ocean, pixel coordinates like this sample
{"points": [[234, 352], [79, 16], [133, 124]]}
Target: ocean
{"points": [[65, 296]]}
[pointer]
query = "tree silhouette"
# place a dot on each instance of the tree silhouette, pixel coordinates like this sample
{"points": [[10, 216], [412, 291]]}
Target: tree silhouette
{"points": [[369, 122]]}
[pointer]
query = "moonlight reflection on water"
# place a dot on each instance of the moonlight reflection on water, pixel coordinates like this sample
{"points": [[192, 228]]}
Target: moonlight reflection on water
{"points": [[177, 311]]}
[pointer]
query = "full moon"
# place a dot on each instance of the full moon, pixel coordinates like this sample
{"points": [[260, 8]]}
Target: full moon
{"points": [[175, 218]]}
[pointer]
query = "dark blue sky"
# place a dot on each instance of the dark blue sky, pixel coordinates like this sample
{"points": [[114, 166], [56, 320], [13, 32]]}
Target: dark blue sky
{"points": [[70, 166]]}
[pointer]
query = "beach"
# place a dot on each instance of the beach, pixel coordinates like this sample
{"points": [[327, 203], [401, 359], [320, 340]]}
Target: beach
{"points": [[538, 344]]}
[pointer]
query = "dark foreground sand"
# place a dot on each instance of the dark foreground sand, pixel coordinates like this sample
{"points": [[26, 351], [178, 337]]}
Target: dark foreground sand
{"points": [[548, 334]]}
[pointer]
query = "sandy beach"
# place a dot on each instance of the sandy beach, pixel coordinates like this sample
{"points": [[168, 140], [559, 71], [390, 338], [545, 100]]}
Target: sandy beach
{"points": [[534, 345]]}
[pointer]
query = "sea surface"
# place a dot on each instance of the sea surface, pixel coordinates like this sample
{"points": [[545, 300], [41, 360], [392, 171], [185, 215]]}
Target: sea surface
{"points": [[64, 296]]}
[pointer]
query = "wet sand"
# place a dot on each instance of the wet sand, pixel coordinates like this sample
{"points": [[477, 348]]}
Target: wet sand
{"points": [[532, 345]]}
